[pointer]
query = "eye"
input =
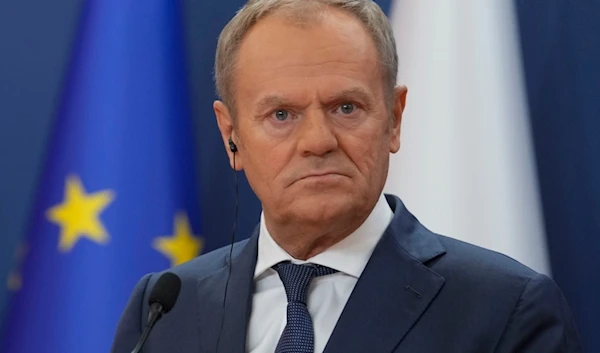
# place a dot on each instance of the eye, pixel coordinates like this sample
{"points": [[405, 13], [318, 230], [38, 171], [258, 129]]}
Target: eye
{"points": [[347, 108], [281, 114]]}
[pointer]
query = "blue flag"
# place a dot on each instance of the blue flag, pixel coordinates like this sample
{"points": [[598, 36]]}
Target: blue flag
{"points": [[117, 197]]}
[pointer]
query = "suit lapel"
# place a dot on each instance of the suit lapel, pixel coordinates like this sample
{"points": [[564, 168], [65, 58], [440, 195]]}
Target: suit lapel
{"points": [[394, 289], [234, 317]]}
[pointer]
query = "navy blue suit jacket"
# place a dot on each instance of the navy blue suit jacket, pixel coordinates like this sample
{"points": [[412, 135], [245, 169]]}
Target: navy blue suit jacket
{"points": [[419, 293]]}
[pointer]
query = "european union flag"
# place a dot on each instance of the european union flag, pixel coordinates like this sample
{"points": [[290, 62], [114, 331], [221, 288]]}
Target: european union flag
{"points": [[117, 196]]}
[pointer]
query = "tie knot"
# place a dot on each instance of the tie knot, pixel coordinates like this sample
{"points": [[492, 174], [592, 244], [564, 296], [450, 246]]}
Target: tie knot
{"points": [[297, 278]]}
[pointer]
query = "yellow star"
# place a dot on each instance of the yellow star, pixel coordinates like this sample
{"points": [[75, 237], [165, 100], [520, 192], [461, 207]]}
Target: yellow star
{"points": [[78, 215], [183, 245]]}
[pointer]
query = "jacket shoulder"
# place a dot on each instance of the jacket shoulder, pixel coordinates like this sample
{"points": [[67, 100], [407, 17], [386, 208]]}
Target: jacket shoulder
{"points": [[208, 263], [465, 255], [513, 305], [468, 261], [201, 266]]}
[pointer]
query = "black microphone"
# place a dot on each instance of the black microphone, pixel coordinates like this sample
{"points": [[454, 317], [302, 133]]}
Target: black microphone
{"points": [[161, 301]]}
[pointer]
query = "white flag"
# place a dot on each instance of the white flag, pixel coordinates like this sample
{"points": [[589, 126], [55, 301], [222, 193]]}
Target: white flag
{"points": [[466, 167]]}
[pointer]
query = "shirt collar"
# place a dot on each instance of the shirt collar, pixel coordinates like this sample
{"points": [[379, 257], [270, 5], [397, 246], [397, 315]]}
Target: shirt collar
{"points": [[349, 256]]}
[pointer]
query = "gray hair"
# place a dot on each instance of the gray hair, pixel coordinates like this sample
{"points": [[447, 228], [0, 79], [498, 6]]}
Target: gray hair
{"points": [[367, 11]]}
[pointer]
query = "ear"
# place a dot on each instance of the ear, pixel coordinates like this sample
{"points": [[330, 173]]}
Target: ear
{"points": [[398, 109], [225, 123]]}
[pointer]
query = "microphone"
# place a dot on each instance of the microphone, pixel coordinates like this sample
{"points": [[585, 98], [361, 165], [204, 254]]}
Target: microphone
{"points": [[161, 301]]}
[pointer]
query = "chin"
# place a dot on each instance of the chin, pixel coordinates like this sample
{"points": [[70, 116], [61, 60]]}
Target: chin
{"points": [[321, 208]]}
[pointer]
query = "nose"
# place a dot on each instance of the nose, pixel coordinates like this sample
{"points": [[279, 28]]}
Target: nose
{"points": [[316, 135]]}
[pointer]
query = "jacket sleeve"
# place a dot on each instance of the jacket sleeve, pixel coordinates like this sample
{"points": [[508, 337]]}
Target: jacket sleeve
{"points": [[130, 325], [541, 322]]}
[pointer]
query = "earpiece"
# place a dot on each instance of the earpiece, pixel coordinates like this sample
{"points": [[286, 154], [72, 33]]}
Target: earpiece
{"points": [[233, 149], [232, 146]]}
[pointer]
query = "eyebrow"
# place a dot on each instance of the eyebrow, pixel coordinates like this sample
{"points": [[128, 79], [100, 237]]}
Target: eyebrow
{"points": [[351, 93], [271, 101]]}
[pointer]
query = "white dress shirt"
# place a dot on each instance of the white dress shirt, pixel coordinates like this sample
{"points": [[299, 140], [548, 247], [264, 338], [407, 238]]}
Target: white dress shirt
{"points": [[327, 295]]}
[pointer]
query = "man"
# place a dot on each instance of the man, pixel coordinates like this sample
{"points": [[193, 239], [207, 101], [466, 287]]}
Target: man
{"points": [[310, 111]]}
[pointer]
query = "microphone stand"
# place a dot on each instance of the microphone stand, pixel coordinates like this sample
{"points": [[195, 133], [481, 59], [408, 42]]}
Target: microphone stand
{"points": [[156, 312]]}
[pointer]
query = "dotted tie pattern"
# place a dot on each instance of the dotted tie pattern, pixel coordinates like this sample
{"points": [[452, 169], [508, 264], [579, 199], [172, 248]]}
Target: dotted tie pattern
{"points": [[298, 335]]}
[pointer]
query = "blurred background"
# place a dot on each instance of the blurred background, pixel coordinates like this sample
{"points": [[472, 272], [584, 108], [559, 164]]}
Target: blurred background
{"points": [[112, 165]]}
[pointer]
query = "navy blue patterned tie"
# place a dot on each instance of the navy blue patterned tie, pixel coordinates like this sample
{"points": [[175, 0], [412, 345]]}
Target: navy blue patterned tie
{"points": [[298, 335]]}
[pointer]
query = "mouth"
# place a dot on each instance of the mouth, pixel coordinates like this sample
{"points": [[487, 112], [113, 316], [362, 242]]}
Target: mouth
{"points": [[322, 176]]}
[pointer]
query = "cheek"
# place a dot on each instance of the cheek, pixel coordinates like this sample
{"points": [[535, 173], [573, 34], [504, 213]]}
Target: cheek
{"points": [[263, 164], [368, 151]]}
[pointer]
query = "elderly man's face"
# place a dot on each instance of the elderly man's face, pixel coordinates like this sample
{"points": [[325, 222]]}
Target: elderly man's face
{"points": [[313, 129]]}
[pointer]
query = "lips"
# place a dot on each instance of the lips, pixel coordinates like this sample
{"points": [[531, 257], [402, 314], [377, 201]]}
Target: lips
{"points": [[321, 174], [318, 176]]}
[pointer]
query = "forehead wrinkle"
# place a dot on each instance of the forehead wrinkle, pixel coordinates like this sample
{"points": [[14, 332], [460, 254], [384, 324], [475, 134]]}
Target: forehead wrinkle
{"points": [[286, 73], [335, 67]]}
